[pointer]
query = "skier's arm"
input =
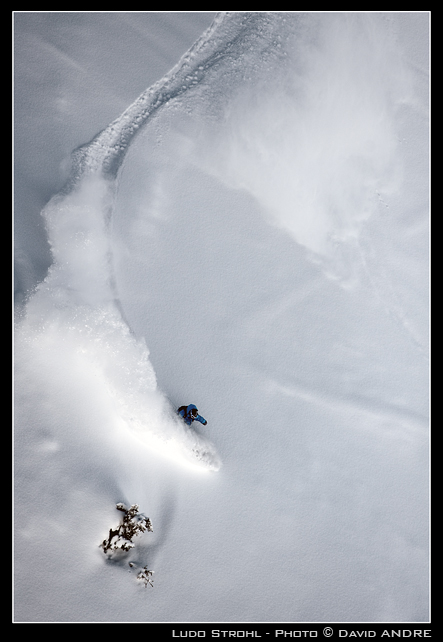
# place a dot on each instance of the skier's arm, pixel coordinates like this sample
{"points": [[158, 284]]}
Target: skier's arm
{"points": [[201, 419]]}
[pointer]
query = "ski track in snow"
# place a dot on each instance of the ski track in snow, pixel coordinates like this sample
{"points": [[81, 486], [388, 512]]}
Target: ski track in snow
{"points": [[77, 302], [105, 153]]}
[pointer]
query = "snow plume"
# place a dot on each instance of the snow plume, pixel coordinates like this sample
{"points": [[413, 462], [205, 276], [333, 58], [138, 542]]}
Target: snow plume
{"points": [[73, 331], [315, 137], [72, 323]]}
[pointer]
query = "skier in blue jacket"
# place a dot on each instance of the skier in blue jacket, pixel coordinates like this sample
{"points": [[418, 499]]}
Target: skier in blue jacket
{"points": [[190, 414]]}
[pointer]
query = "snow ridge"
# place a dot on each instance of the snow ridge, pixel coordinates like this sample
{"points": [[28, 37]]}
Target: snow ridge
{"points": [[106, 151]]}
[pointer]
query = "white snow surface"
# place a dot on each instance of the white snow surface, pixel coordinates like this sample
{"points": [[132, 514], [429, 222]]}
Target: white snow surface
{"points": [[249, 235]]}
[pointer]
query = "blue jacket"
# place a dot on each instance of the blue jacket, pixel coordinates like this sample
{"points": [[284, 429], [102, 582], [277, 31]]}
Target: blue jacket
{"points": [[189, 416]]}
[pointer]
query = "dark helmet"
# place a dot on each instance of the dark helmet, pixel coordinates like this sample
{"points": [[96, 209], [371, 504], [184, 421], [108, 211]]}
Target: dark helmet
{"points": [[192, 410]]}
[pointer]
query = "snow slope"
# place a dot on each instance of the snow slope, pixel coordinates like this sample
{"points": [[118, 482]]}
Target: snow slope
{"points": [[250, 235]]}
